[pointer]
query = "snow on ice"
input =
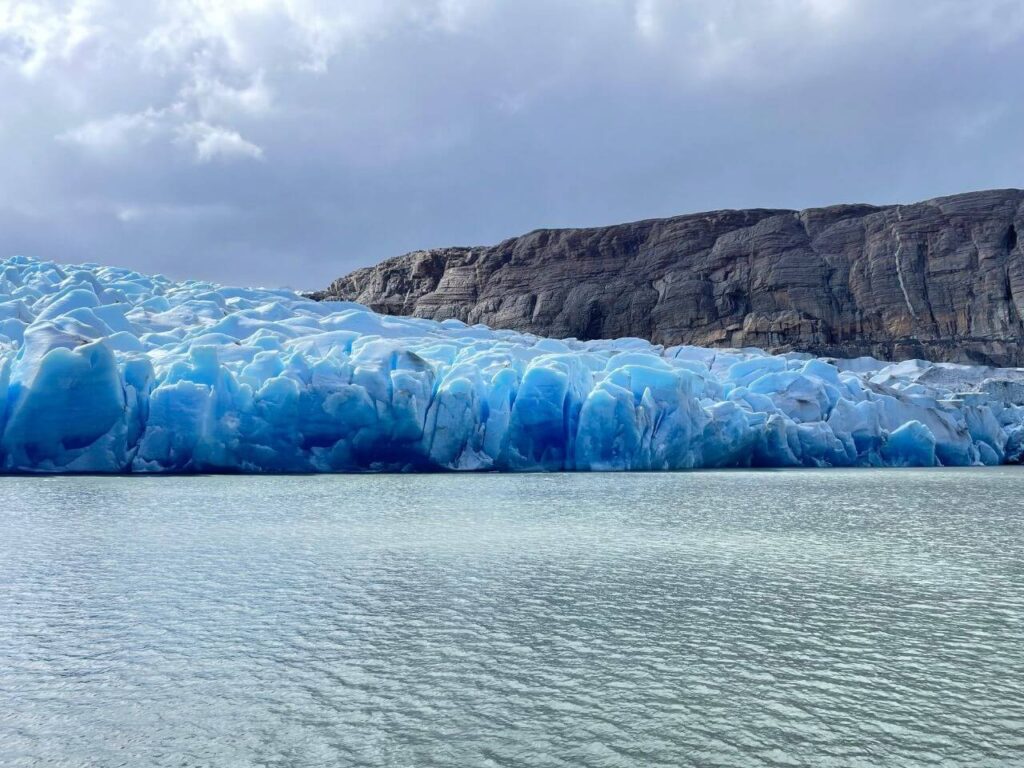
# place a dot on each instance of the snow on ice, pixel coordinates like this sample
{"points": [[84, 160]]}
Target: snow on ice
{"points": [[107, 370]]}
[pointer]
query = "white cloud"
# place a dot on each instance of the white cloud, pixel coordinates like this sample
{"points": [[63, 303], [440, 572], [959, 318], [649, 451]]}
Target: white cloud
{"points": [[207, 142], [219, 53], [38, 33], [246, 35], [215, 100], [213, 142], [112, 133]]}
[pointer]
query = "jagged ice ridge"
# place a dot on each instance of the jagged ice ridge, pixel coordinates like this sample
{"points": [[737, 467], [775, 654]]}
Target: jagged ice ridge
{"points": [[107, 370]]}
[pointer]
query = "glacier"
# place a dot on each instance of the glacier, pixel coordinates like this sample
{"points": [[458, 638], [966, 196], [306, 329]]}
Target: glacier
{"points": [[103, 369]]}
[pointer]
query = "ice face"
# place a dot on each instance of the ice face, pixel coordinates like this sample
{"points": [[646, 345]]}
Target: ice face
{"points": [[107, 370]]}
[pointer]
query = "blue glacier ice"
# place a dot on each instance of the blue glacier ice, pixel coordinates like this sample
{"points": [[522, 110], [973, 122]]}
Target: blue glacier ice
{"points": [[107, 370]]}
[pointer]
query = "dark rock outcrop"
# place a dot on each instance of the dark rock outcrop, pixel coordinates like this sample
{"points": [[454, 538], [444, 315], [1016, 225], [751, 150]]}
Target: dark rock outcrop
{"points": [[942, 280]]}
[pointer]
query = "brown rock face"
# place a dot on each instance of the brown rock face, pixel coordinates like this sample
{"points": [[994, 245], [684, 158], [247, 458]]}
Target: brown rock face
{"points": [[941, 280]]}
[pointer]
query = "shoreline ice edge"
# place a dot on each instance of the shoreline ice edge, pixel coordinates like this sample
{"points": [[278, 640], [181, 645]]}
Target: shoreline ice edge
{"points": [[103, 369]]}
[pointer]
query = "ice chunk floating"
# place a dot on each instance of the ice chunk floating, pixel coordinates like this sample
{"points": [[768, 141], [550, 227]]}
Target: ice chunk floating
{"points": [[107, 370]]}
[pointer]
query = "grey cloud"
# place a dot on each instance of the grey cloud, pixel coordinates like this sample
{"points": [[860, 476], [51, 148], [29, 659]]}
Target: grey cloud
{"points": [[288, 142]]}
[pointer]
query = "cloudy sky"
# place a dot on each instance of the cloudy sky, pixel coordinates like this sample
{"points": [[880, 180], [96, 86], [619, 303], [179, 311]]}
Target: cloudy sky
{"points": [[285, 142]]}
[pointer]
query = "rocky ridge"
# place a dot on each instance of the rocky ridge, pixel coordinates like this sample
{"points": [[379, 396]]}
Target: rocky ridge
{"points": [[941, 280]]}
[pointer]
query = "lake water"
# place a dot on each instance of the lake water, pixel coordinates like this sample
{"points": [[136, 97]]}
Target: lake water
{"points": [[711, 619]]}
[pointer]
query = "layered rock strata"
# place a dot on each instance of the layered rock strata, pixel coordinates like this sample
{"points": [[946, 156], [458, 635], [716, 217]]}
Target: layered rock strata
{"points": [[941, 280]]}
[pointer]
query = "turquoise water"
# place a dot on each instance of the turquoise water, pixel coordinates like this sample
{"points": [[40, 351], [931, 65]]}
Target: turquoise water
{"points": [[723, 618]]}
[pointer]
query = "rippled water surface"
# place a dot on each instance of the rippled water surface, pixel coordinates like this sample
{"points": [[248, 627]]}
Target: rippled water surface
{"points": [[736, 618]]}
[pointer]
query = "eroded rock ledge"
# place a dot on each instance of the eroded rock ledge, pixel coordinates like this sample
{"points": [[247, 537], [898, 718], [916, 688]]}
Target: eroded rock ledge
{"points": [[941, 280]]}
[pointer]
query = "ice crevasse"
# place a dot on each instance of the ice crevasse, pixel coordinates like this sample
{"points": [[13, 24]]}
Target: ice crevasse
{"points": [[106, 370]]}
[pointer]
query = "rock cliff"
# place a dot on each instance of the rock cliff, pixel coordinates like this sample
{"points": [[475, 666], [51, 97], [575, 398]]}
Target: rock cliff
{"points": [[941, 280]]}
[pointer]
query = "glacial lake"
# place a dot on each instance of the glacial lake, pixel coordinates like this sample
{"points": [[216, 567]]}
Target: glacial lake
{"points": [[821, 617]]}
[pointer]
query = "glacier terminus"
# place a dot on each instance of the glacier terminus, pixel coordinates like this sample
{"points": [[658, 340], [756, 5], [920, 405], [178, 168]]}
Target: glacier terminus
{"points": [[104, 369]]}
